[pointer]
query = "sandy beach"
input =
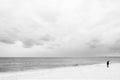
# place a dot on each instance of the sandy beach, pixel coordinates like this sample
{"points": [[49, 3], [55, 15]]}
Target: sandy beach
{"points": [[89, 72]]}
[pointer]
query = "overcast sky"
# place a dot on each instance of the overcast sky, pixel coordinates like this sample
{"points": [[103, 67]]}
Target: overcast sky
{"points": [[59, 28]]}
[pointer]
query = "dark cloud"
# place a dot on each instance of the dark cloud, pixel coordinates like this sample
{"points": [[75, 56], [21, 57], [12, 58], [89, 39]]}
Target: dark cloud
{"points": [[8, 41], [39, 42], [115, 47], [94, 43], [12, 35]]}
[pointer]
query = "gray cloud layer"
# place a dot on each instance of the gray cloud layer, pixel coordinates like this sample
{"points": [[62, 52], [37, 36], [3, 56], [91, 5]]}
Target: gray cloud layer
{"points": [[91, 25]]}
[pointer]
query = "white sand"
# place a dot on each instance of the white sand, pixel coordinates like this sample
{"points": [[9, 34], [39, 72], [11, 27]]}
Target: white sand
{"points": [[91, 72]]}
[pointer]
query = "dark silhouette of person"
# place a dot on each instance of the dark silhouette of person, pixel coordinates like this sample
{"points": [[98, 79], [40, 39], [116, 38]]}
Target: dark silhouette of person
{"points": [[108, 62]]}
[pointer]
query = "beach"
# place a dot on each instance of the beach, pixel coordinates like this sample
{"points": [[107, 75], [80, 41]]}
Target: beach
{"points": [[88, 72]]}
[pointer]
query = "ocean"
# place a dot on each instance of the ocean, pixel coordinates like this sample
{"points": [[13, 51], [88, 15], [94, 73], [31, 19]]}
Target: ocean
{"points": [[14, 64]]}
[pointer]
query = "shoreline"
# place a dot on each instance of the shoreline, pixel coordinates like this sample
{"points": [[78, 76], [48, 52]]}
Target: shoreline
{"points": [[66, 66], [89, 72]]}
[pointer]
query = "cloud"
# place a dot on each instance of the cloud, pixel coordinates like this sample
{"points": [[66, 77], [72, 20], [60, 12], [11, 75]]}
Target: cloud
{"points": [[10, 37], [94, 43], [30, 34], [27, 21], [74, 25], [115, 47]]}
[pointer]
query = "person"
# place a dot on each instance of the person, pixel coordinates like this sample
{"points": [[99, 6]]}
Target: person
{"points": [[108, 62]]}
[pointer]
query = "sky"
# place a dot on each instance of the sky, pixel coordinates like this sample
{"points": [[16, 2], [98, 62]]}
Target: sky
{"points": [[59, 28]]}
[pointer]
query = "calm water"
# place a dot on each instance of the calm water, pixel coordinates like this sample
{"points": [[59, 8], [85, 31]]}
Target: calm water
{"points": [[29, 63]]}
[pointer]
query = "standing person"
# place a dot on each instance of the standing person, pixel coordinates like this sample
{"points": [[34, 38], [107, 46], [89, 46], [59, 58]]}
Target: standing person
{"points": [[108, 62]]}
